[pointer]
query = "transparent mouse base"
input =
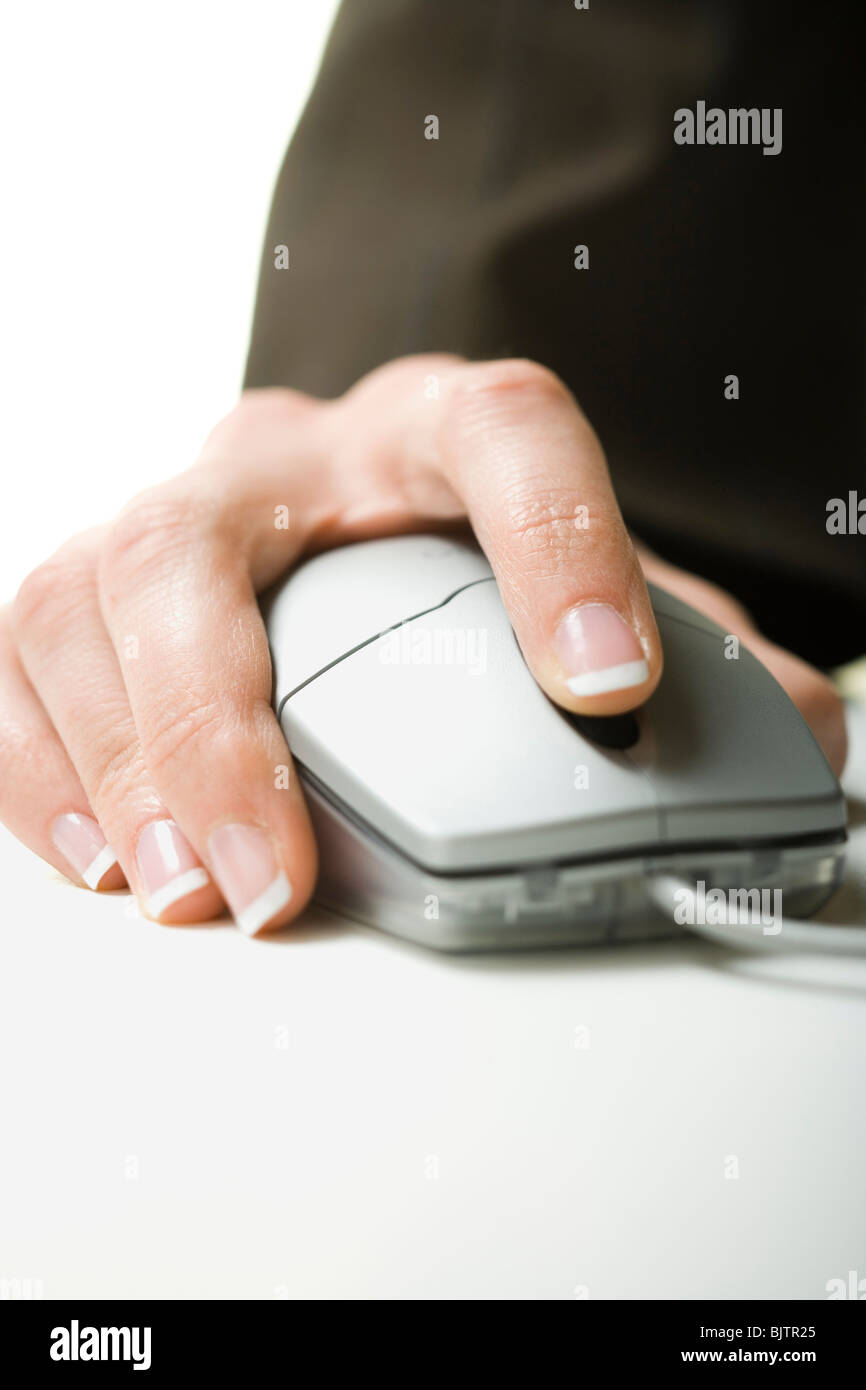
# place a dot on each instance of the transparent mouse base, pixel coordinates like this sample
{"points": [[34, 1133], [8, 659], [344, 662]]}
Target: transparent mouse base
{"points": [[363, 877]]}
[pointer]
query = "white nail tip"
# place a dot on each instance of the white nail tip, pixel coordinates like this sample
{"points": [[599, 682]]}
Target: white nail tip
{"points": [[99, 867], [265, 906], [610, 678], [177, 888]]}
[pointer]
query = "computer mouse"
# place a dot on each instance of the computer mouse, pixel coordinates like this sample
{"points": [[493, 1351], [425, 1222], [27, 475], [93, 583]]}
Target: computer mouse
{"points": [[456, 805]]}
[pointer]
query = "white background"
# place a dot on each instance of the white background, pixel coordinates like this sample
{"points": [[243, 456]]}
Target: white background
{"points": [[189, 1113], [140, 146]]}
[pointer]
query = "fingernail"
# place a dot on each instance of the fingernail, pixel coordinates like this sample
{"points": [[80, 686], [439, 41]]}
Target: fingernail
{"points": [[169, 866], [247, 871], [599, 651], [83, 845]]}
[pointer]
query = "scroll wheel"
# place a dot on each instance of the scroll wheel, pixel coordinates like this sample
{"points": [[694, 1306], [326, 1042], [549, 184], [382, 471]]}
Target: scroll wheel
{"points": [[607, 730]]}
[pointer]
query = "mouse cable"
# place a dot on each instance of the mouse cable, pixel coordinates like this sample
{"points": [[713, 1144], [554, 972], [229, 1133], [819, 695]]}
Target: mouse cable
{"points": [[671, 895]]}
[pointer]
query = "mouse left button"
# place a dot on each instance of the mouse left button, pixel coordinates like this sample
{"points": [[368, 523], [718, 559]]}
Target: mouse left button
{"points": [[342, 598]]}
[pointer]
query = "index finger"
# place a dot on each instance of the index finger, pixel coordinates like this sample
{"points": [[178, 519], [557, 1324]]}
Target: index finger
{"points": [[511, 442]]}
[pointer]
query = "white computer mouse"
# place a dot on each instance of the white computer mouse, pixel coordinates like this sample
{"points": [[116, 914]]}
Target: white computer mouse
{"points": [[458, 806]]}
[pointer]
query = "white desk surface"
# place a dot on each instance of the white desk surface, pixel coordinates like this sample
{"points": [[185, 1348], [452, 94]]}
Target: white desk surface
{"points": [[186, 1113]]}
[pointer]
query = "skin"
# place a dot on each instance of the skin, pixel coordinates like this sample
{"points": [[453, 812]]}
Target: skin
{"points": [[185, 728]]}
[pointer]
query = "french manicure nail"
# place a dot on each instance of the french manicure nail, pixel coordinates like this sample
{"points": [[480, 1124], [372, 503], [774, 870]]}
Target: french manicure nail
{"points": [[169, 866], [247, 871], [598, 650], [83, 845]]}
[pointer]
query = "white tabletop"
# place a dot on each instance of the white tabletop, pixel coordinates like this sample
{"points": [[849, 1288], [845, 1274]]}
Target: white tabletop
{"points": [[336, 1114], [186, 1112]]}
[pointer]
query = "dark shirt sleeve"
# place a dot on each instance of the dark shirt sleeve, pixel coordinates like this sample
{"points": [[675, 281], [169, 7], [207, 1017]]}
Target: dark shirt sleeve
{"points": [[555, 130]]}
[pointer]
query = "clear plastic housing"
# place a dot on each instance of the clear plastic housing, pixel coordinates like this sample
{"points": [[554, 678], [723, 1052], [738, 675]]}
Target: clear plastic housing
{"points": [[557, 904]]}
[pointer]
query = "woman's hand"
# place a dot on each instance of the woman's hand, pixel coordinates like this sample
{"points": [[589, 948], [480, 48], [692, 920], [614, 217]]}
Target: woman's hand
{"points": [[137, 739]]}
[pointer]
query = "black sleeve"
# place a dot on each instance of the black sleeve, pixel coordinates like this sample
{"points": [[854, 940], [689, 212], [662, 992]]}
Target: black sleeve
{"points": [[555, 130]]}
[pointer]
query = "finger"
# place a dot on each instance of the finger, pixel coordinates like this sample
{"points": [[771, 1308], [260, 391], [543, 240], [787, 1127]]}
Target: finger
{"points": [[54, 819], [174, 577], [535, 483], [812, 692], [510, 441], [70, 660]]}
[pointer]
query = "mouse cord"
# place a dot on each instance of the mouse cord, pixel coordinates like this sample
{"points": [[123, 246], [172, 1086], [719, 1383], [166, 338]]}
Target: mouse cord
{"points": [[676, 898]]}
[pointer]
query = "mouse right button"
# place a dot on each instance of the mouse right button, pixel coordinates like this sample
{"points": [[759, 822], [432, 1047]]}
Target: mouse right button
{"points": [[728, 754]]}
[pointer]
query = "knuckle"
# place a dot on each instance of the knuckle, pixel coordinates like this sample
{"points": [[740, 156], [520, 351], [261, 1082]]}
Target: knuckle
{"points": [[262, 413], [150, 530], [52, 592], [402, 373], [115, 768], [273, 402], [537, 513], [35, 595], [504, 385], [180, 734], [539, 518], [209, 730], [212, 732]]}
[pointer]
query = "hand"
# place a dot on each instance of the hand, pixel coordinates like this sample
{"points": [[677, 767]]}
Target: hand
{"points": [[137, 739]]}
